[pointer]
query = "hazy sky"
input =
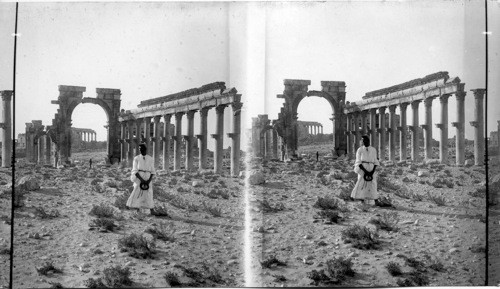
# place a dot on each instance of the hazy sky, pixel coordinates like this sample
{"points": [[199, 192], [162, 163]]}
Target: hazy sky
{"points": [[152, 49]]}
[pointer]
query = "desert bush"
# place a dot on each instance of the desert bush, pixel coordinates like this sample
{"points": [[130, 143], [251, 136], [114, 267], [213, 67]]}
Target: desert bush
{"points": [[94, 283], [404, 282], [137, 246], [172, 279], [212, 194], [160, 211], [414, 263], [48, 267], [418, 278], [179, 202], [384, 201], [438, 200], [329, 215], [394, 269], [110, 184], [387, 221], [360, 237], [268, 208], [121, 201], [212, 209], [478, 193], [416, 196], [279, 278], [192, 207], [329, 203], [318, 277], [126, 184], [386, 185], [339, 269], [103, 223], [56, 285], [271, 262], [116, 276], [345, 194], [49, 214], [102, 211], [97, 188], [163, 231]]}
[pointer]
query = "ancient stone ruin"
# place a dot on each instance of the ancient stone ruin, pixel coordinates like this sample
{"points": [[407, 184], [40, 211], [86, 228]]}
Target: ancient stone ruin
{"points": [[135, 127], [438, 85], [6, 128]]}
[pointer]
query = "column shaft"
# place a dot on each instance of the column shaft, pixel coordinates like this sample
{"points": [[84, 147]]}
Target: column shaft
{"points": [[166, 141], [415, 132], [373, 128], [189, 140], [392, 133], [275, 144], [460, 129], [357, 131], [443, 142], [219, 139], [41, 150], [178, 141], [202, 139], [382, 131], [147, 134], [348, 135], [130, 142], [235, 138], [122, 141], [403, 133], [363, 122], [428, 128], [138, 136], [478, 127], [48, 149], [156, 144], [6, 130]]}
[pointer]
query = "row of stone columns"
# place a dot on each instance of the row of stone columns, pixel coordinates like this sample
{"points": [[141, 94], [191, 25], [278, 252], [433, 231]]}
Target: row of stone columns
{"points": [[43, 149], [354, 131], [129, 142], [269, 144], [88, 136], [314, 129], [6, 128]]}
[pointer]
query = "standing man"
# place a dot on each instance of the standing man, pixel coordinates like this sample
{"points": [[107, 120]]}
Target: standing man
{"points": [[142, 174], [317, 156], [365, 165]]}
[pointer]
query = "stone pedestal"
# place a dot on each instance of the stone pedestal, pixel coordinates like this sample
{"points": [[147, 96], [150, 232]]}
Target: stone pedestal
{"points": [[156, 141], [178, 140], [443, 142], [478, 125], [381, 131], [166, 141], [6, 128], [427, 127], [460, 129], [202, 139], [392, 133]]}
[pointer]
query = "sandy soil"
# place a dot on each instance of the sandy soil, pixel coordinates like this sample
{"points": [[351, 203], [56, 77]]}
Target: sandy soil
{"points": [[70, 245], [494, 231], [453, 234], [5, 213]]}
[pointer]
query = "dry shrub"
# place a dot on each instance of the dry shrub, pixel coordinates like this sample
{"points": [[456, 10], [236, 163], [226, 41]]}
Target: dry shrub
{"points": [[163, 231], [438, 200], [137, 246], [329, 203], [329, 215], [337, 271], [271, 262], [47, 268], [49, 214], [121, 201], [103, 223], [102, 211], [268, 208], [387, 221], [360, 237], [172, 279], [214, 210], [160, 211], [114, 277], [394, 269]]}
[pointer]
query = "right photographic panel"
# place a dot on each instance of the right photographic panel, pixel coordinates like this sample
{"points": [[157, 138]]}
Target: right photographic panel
{"points": [[368, 153]]}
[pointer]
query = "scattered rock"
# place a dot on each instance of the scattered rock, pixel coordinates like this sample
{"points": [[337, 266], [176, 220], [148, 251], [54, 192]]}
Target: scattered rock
{"points": [[423, 173], [197, 184], [29, 183], [256, 178]]}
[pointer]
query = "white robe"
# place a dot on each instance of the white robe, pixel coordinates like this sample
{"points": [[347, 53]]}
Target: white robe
{"points": [[363, 189], [144, 165]]}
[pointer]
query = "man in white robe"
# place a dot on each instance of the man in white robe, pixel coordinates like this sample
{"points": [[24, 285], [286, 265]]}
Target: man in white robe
{"points": [[142, 174], [365, 165]]}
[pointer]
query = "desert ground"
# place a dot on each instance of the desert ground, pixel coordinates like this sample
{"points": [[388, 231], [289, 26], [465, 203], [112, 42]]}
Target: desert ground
{"points": [[432, 244], [431, 231], [494, 225], [200, 245], [5, 214]]}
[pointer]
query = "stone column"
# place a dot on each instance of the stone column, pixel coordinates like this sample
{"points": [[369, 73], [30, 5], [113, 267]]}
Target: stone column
{"points": [[48, 149], [147, 134], [275, 144], [443, 142], [348, 135], [460, 129], [392, 133], [122, 141], [166, 141], [403, 132], [414, 132], [235, 138], [219, 140], [138, 136], [41, 150], [357, 131], [178, 140], [156, 139], [130, 142], [478, 124], [381, 130], [268, 144], [189, 140], [498, 136], [363, 122], [427, 127], [6, 129], [202, 139], [373, 128]]}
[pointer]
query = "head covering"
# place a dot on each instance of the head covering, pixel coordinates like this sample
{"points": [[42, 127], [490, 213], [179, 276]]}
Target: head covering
{"points": [[365, 137], [143, 145]]}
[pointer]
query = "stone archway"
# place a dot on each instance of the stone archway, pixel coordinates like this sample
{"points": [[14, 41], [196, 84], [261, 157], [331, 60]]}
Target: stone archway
{"points": [[69, 98], [295, 91]]}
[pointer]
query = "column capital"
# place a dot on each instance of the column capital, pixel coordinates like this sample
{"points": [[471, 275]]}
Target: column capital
{"points": [[200, 136], [167, 117], [373, 110], [190, 114], [156, 118], [220, 109], [428, 101], [440, 125], [403, 105], [478, 92], [460, 95], [148, 118], [392, 108], [381, 109], [178, 115], [232, 135], [214, 135], [455, 124], [424, 126], [415, 103], [6, 95], [364, 112], [237, 105], [444, 98], [474, 123]]}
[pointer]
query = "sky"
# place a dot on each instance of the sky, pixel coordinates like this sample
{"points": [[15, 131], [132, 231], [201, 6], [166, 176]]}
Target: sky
{"points": [[153, 49]]}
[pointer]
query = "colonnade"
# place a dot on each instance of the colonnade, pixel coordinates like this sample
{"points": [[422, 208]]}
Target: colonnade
{"points": [[314, 129], [130, 141], [378, 133], [87, 136]]}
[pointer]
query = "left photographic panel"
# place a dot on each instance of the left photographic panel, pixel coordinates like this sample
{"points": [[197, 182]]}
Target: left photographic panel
{"points": [[7, 29], [130, 128]]}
